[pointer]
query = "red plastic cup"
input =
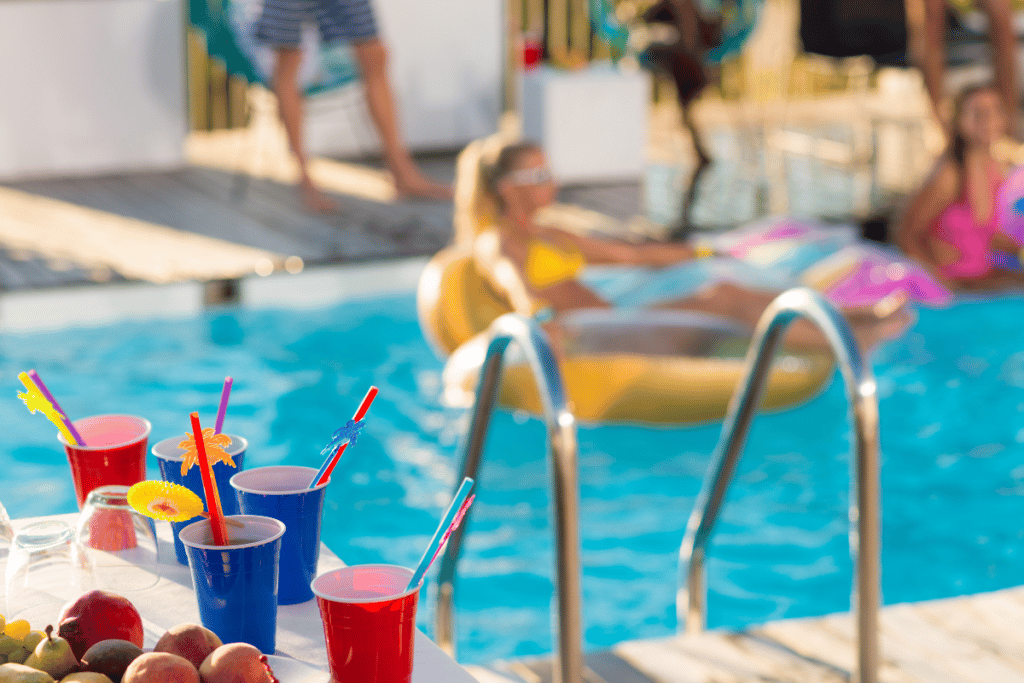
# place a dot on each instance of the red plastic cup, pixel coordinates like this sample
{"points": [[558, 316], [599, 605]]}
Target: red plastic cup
{"points": [[369, 622], [115, 454]]}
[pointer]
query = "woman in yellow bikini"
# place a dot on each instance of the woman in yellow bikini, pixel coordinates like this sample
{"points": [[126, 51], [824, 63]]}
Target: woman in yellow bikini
{"points": [[545, 271]]}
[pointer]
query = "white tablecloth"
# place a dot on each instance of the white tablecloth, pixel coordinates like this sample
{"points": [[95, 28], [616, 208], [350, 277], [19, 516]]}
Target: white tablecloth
{"points": [[299, 631]]}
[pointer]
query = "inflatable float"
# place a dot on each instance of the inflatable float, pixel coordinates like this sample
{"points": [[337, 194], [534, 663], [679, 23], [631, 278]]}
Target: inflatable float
{"points": [[625, 366], [658, 366]]}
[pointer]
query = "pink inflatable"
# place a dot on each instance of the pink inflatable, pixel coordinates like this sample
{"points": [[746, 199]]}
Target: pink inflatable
{"points": [[832, 259], [872, 274], [1010, 209]]}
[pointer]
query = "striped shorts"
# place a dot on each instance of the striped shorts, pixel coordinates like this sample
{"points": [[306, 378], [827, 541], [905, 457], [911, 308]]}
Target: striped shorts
{"points": [[280, 22]]}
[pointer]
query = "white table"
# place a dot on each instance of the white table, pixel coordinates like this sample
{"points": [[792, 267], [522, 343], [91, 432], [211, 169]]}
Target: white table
{"points": [[299, 632]]}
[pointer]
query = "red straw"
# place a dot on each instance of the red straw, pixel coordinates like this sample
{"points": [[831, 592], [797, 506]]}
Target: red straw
{"points": [[360, 414], [220, 529]]}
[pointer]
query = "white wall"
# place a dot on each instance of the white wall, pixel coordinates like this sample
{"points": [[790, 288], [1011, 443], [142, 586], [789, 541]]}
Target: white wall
{"points": [[446, 69], [91, 85]]}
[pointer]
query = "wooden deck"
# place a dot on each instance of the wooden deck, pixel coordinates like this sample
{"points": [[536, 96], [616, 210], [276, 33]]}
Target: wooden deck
{"points": [[968, 639]]}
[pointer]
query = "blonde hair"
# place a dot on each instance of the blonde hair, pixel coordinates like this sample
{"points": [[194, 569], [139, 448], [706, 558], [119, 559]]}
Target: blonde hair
{"points": [[476, 203]]}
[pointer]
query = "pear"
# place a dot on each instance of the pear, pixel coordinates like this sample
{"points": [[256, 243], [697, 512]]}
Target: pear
{"points": [[53, 655], [8, 644], [19, 673], [32, 639]]}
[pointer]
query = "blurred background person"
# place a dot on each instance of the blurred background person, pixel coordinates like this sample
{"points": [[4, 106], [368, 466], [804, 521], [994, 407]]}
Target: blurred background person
{"points": [[927, 22], [951, 225], [280, 26]]}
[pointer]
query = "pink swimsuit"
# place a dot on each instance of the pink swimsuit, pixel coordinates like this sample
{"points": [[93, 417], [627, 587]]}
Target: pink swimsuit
{"points": [[957, 226]]}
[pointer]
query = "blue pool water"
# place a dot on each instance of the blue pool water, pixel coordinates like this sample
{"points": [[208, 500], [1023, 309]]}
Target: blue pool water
{"points": [[952, 410]]}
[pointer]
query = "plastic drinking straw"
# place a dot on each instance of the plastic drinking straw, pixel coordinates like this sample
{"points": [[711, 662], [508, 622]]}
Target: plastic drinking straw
{"points": [[35, 401], [223, 405], [49, 397], [217, 525], [325, 470], [460, 503]]}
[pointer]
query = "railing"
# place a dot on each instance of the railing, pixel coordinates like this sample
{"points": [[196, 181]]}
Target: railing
{"points": [[864, 469], [565, 496]]}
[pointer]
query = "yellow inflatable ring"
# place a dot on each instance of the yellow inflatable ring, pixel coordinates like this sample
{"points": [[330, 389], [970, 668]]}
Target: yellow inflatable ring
{"points": [[608, 376]]}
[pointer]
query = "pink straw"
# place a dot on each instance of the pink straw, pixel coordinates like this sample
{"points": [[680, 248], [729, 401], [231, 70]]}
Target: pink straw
{"points": [[223, 405], [49, 397]]}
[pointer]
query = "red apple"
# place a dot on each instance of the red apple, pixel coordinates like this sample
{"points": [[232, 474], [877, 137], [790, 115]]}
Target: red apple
{"points": [[96, 616]]}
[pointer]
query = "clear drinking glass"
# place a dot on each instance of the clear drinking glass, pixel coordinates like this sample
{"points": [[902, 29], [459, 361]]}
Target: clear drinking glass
{"points": [[47, 567], [120, 542], [6, 536]]}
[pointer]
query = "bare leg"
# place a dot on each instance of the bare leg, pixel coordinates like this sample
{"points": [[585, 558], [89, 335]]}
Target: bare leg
{"points": [[999, 279], [747, 305], [926, 23], [1004, 48], [409, 182], [289, 107], [703, 158]]}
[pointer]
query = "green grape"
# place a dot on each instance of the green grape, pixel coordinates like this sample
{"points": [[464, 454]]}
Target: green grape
{"points": [[3, 659], [3, 623], [18, 656], [33, 639], [8, 645]]}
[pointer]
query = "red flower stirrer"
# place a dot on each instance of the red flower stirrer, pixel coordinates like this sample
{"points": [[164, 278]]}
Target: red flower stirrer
{"points": [[220, 529]]}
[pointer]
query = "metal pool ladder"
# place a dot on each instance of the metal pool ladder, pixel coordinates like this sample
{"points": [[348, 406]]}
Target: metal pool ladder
{"points": [[563, 458], [864, 514]]}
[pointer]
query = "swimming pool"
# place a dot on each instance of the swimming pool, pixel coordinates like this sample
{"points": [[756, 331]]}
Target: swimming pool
{"points": [[952, 411]]}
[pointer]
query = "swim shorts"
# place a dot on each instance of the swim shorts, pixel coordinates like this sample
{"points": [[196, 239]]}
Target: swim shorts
{"points": [[280, 22]]}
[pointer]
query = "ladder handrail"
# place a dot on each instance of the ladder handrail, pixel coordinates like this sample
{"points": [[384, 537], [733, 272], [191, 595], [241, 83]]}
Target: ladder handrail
{"points": [[563, 451], [864, 512]]}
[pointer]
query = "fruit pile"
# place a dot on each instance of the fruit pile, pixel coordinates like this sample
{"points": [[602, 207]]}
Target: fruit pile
{"points": [[99, 640]]}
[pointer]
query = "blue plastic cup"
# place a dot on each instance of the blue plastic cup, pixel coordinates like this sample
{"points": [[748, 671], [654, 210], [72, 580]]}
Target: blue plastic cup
{"points": [[281, 492], [169, 457], [236, 585]]}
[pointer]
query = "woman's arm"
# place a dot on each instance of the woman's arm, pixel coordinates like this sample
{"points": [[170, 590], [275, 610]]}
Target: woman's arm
{"points": [[1002, 242], [939, 191], [502, 273], [613, 251]]}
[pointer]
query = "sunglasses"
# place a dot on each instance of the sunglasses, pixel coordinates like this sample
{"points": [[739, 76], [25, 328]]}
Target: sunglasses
{"points": [[538, 175]]}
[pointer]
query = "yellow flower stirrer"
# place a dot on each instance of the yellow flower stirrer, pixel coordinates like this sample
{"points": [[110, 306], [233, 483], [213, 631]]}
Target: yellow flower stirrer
{"points": [[167, 502], [35, 400]]}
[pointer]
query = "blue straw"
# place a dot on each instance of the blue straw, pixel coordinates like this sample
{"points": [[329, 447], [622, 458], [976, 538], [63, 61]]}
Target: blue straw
{"points": [[442, 533]]}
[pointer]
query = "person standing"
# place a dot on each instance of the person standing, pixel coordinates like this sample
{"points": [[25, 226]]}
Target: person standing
{"points": [[280, 26], [926, 20]]}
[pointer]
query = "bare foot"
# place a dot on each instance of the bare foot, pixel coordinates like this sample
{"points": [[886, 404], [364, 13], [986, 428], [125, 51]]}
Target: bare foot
{"points": [[415, 185], [869, 335], [315, 200]]}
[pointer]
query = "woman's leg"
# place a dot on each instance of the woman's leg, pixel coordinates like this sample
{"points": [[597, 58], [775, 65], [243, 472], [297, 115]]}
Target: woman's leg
{"points": [[746, 305], [998, 279], [289, 108]]}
